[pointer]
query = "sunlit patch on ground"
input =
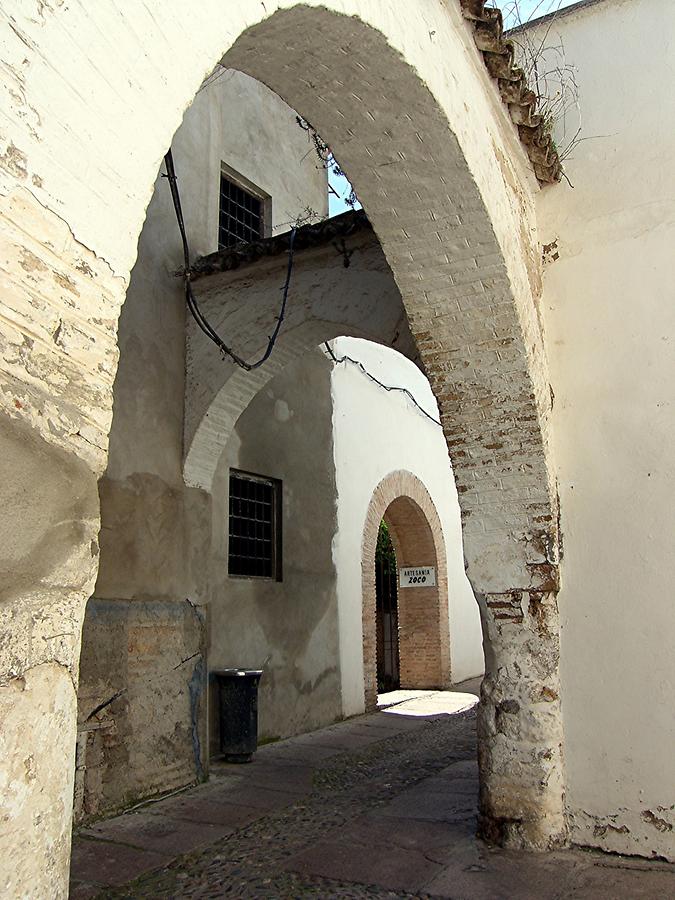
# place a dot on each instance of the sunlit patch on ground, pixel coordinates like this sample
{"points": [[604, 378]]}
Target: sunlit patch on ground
{"points": [[426, 703]]}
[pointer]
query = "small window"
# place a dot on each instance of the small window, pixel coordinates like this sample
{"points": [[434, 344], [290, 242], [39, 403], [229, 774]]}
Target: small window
{"points": [[255, 526], [242, 213]]}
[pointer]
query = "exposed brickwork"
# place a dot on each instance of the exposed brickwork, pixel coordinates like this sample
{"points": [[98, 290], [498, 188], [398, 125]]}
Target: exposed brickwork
{"points": [[424, 634], [470, 306], [141, 703]]}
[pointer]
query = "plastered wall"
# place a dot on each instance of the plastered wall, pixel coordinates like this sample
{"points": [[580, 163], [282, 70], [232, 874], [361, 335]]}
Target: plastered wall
{"points": [[326, 299], [377, 433], [289, 627], [610, 320], [142, 698], [330, 436]]}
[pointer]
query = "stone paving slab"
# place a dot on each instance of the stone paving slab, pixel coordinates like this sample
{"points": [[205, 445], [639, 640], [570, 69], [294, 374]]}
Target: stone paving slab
{"points": [[391, 698], [103, 863], [467, 785], [503, 876], [268, 773], [159, 833], [203, 809], [433, 800], [293, 754], [82, 890], [399, 869], [463, 768], [390, 816], [345, 741], [398, 723], [603, 880], [429, 706], [372, 830], [259, 797]]}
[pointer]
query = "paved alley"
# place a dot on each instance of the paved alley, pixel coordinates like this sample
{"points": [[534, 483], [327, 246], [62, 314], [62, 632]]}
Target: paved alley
{"points": [[379, 806]]}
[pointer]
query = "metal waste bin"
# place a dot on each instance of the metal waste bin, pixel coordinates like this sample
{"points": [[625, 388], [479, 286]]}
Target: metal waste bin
{"points": [[237, 691]]}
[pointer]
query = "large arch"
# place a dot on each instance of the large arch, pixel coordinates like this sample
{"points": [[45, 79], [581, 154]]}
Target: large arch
{"points": [[402, 96], [424, 638]]}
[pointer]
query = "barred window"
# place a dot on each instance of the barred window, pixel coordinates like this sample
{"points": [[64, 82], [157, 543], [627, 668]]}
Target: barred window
{"points": [[242, 214], [255, 526]]}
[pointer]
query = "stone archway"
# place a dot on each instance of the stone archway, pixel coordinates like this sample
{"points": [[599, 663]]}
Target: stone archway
{"points": [[424, 636], [407, 105]]}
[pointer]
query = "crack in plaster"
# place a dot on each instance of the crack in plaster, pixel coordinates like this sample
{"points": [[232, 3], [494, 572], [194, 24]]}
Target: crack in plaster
{"points": [[49, 210]]}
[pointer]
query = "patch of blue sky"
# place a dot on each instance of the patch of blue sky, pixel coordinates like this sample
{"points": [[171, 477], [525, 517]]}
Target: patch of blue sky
{"points": [[516, 12], [339, 191]]}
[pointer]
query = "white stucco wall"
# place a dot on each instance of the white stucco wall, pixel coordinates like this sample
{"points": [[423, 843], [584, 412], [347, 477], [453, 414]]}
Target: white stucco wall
{"points": [[376, 433], [609, 306], [236, 120]]}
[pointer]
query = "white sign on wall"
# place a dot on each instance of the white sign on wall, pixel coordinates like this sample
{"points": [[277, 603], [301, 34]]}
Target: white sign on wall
{"points": [[417, 576]]}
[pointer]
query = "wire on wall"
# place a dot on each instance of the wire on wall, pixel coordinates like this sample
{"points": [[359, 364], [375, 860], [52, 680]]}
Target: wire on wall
{"points": [[191, 300], [386, 387]]}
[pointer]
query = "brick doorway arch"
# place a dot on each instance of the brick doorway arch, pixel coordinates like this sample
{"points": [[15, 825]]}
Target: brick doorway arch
{"points": [[423, 628]]}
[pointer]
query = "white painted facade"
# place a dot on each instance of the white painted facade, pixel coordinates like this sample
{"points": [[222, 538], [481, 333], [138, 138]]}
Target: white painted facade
{"points": [[609, 313], [376, 433]]}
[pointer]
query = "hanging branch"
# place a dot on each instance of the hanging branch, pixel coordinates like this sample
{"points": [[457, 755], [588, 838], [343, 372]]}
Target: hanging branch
{"points": [[552, 78], [326, 158]]}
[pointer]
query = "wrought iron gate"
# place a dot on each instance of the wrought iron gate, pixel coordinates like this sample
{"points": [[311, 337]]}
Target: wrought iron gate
{"points": [[386, 613]]}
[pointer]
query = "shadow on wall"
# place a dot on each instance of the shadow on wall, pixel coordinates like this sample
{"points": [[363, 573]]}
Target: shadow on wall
{"points": [[291, 625]]}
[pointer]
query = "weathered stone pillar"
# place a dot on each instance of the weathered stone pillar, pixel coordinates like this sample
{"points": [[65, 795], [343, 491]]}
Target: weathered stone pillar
{"points": [[58, 357], [520, 740], [48, 560]]}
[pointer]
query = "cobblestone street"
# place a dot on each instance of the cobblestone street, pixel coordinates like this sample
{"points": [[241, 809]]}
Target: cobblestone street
{"points": [[379, 806]]}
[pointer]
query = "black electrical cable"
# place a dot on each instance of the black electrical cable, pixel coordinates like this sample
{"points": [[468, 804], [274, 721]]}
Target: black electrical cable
{"points": [[190, 298], [386, 387]]}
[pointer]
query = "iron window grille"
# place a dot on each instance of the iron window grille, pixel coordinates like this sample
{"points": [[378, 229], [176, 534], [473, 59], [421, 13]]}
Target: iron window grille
{"points": [[243, 212], [254, 526]]}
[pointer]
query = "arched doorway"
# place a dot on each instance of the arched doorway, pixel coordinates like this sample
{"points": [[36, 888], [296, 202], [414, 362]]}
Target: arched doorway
{"points": [[386, 613], [423, 629]]}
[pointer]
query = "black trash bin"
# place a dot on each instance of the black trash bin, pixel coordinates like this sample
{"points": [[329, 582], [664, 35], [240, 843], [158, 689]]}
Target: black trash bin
{"points": [[238, 713]]}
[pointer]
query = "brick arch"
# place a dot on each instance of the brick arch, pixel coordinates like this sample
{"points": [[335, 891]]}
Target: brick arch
{"points": [[239, 388], [467, 293], [405, 101], [405, 504]]}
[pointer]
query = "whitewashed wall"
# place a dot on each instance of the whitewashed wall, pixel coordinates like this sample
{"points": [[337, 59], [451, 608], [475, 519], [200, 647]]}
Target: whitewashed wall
{"points": [[376, 433], [610, 324], [237, 120], [289, 627]]}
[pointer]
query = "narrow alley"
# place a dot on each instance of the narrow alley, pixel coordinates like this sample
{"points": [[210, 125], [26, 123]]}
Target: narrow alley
{"points": [[383, 805]]}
